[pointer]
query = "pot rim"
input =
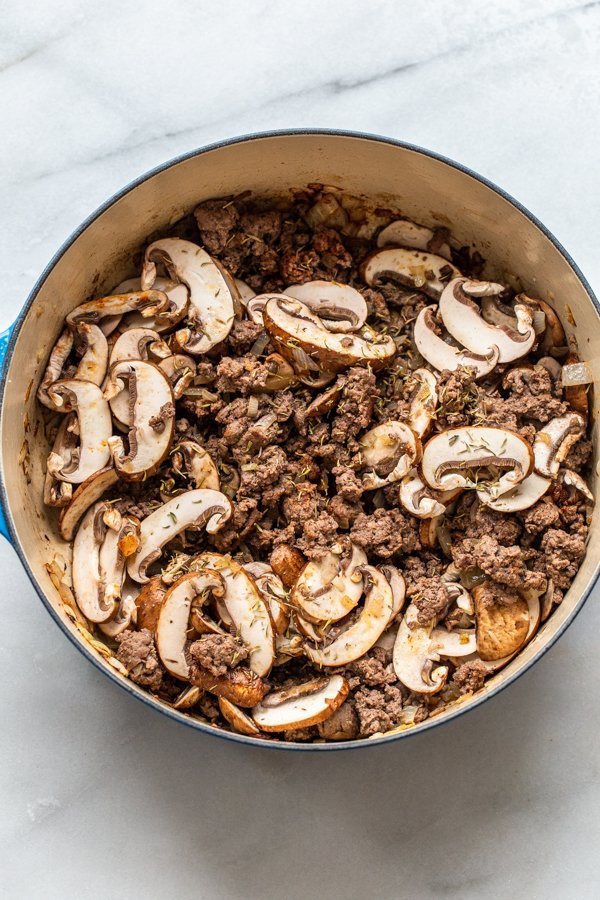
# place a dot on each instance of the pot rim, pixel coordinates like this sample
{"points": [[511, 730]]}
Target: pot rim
{"points": [[80, 644]]}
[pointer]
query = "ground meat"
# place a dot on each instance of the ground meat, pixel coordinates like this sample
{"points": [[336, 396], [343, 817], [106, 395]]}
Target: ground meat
{"points": [[385, 533], [458, 396], [137, 652], [298, 266], [217, 653], [241, 375], [491, 593], [330, 248], [544, 514], [303, 504], [470, 676], [561, 555], [374, 669], [348, 485], [504, 564], [479, 520], [262, 478], [317, 535], [341, 726], [532, 394], [243, 335], [217, 222], [355, 408], [579, 456], [426, 565], [158, 422], [344, 511], [430, 597], [378, 709]]}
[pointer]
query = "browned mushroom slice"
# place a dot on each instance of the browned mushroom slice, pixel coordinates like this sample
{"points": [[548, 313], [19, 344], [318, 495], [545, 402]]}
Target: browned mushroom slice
{"points": [[443, 355], [576, 395], [94, 427], [294, 328], [151, 418], [193, 509], [174, 617], [388, 452], [553, 442], [502, 628], [326, 402], [462, 318], [572, 479], [302, 705], [358, 639], [287, 562], [195, 463], [120, 541], [554, 339], [473, 457], [281, 374], [424, 401], [256, 306], [239, 686], [330, 587], [148, 303], [188, 698], [149, 602], [57, 492], [212, 296], [416, 269], [340, 306], [405, 233], [88, 492], [275, 596], [58, 357], [414, 656], [237, 718], [177, 295], [180, 369]]}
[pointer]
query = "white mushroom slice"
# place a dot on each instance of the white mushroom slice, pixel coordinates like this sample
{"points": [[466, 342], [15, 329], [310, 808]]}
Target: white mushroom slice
{"points": [[572, 479], [444, 356], [404, 233], [194, 509], [462, 318], [94, 361], [151, 418], [148, 303], [245, 291], [247, 609], [211, 308], [139, 343], [302, 705], [396, 581], [57, 492], [497, 313], [392, 448], [88, 492], [420, 500], [358, 639], [198, 464], [520, 497], [121, 540], [482, 289], [328, 588], [177, 294], [450, 458], [553, 442], [94, 427], [256, 306], [460, 595], [237, 718], [180, 370], [256, 569], [294, 327], [416, 269], [275, 596], [340, 306], [94, 603], [174, 618], [413, 657], [281, 374], [424, 402], [453, 644], [58, 357], [126, 613], [188, 698]]}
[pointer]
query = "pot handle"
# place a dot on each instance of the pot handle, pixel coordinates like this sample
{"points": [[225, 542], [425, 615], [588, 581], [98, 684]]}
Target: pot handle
{"points": [[4, 339]]}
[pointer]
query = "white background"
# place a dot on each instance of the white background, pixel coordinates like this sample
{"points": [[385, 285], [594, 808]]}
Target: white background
{"points": [[100, 797]]}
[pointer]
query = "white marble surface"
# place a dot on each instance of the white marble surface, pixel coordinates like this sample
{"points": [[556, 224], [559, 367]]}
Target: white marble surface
{"points": [[100, 797]]}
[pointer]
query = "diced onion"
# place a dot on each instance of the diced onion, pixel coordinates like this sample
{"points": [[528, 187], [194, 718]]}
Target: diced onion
{"points": [[576, 373]]}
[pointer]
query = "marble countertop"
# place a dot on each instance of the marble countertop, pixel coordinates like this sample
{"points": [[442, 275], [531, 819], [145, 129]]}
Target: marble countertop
{"points": [[101, 797]]}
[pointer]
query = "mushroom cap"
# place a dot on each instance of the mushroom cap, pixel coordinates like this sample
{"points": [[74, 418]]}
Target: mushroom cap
{"points": [[192, 509], [406, 233], [295, 328], [212, 295], [442, 355], [151, 418], [237, 718], [180, 369], [248, 611], [148, 602], [239, 686], [94, 428], [87, 493], [553, 442], [393, 445], [340, 306], [358, 639], [502, 628], [417, 269], [450, 456], [287, 562], [301, 705], [328, 588], [174, 617], [413, 656], [462, 318], [524, 495]]}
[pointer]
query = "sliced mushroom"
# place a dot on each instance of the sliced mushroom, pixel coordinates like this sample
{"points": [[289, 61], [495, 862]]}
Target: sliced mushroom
{"points": [[554, 340], [358, 639], [256, 306], [553, 442], [239, 686], [151, 418], [55, 365], [281, 374], [391, 449], [424, 402], [302, 705], [294, 328], [212, 304], [453, 644], [56, 492], [577, 395], [416, 269], [174, 617], [413, 656], [139, 343], [248, 611], [442, 355], [244, 290], [237, 718], [462, 318], [125, 615], [326, 402], [452, 456], [96, 602], [196, 464], [274, 594], [330, 587], [121, 540], [340, 306], [422, 501], [88, 492], [193, 509], [94, 427], [180, 370], [94, 360], [188, 698], [177, 294], [502, 628], [520, 497], [149, 602], [396, 581], [404, 233], [287, 562], [148, 303], [572, 479]]}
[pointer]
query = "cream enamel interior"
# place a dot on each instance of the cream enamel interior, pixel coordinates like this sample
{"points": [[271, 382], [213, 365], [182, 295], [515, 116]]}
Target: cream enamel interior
{"points": [[426, 189]]}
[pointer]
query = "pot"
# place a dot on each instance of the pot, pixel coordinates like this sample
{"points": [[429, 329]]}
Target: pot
{"points": [[423, 185]]}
